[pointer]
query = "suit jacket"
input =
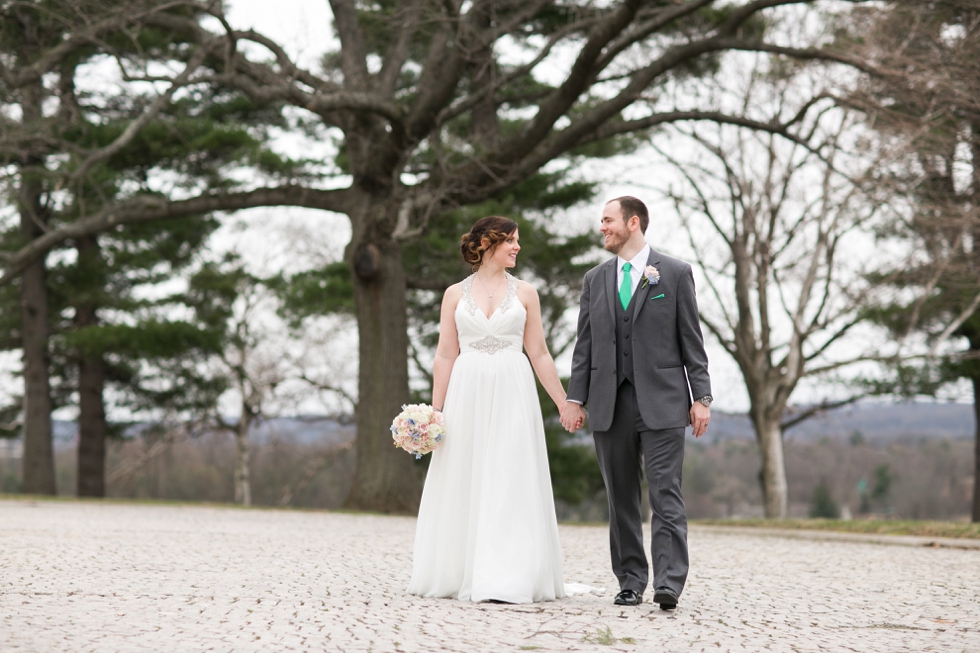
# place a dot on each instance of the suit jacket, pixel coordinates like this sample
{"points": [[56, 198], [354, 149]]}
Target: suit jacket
{"points": [[670, 365]]}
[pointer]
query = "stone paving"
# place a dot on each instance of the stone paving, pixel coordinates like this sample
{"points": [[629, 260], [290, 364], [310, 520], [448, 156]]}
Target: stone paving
{"points": [[85, 576]]}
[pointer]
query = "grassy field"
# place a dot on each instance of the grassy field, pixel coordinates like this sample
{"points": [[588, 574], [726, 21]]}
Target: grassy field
{"points": [[965, 530]]}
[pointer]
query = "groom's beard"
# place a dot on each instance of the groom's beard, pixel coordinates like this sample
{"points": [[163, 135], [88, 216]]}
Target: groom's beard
{"points": [[615, 242]]}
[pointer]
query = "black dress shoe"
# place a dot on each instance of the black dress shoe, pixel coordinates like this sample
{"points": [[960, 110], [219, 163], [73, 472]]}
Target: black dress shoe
{"points": [[629, 597], [666, 598]]}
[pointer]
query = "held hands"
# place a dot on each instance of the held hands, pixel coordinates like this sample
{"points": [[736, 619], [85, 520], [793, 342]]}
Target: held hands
{"points": [[572, 416], [700, 416]]}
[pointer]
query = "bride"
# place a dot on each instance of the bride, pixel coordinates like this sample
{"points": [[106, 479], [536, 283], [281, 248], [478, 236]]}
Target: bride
{"points": [[487, 529]]}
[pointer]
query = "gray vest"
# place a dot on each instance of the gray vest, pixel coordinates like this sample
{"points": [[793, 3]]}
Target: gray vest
{"points": [[624, 339]]}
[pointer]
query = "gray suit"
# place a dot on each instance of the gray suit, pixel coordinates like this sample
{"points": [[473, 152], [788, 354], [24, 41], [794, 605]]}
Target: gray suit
{"points": [[637, 370]]}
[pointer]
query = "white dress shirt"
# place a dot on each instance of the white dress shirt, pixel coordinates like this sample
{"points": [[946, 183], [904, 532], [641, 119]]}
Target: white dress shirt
{"points": [[639, 263]]}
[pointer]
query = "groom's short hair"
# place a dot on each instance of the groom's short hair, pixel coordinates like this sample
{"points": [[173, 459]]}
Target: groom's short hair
{"points": [[632, 206]]}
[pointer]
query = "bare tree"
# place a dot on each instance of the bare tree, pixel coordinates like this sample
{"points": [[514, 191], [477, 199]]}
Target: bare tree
{"points": [[265, 367], [769, 220], [254, 379], [430, 115], [249, 361], [925, 101]]}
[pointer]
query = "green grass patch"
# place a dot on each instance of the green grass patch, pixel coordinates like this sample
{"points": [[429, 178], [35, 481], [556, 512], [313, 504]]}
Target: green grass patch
{"points": [[950, 529], [602, 636]]}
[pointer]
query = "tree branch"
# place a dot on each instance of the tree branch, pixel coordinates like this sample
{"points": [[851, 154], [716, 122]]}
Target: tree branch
{"points": [[819, 408], [663, 18], [965, 315], [74, 41], [609, 130], [353, 53], [406, 16], [329, 387], [470, 101], [131, 131], [803, 54], [576, 83], [148, 209]]}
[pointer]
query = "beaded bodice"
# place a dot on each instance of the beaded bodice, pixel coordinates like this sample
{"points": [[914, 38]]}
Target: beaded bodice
{"points": [[502, 331]]}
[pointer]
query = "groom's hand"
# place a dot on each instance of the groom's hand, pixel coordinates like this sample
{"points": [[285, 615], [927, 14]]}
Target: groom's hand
{"points": [[700, 416], [572, 416]]}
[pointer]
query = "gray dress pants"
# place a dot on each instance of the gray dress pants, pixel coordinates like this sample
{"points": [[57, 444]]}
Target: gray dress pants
{"points": [[624, 451]]}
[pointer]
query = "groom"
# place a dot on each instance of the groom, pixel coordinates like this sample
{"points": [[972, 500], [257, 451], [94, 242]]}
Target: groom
{"points": [[640, 366]]}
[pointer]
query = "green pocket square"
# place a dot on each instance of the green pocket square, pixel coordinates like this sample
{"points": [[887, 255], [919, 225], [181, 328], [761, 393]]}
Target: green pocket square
{"points": [[660, 296]]}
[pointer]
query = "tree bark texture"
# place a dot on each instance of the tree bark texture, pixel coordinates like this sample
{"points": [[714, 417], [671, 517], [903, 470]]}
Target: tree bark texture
{"points": [[38, 463], [766, 411], [976, 459], [92, 427], [974, 339], [385, 479], [773, 475], [243, 485]]}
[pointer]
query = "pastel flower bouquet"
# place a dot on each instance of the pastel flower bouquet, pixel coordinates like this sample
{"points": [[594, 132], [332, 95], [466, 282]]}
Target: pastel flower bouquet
{"points": [[418, 429]]}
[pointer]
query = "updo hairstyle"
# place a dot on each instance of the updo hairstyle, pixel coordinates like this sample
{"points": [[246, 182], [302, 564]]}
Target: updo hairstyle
{"points": [[484, 237]]}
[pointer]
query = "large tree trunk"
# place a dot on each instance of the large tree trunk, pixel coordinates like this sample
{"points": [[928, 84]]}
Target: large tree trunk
{"points": [[385, 480], [91, 427], [973, 337], [773, 475], [38, 463], [976, 459], [91, 386], [243, 485]]}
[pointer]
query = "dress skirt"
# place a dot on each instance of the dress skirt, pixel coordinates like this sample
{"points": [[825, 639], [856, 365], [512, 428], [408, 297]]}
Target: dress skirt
{"points": [[486, 526]]}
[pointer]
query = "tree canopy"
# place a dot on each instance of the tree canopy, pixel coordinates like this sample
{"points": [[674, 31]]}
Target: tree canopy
{"points": [[433, 108]]}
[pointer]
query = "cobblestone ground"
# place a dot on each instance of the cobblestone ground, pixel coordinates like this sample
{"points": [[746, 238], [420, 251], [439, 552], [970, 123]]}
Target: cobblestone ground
{"points": [[78, 577]]}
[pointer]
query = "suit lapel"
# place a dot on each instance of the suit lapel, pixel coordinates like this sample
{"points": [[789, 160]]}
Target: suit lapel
{"points": [[644, 293], [609, 283]]}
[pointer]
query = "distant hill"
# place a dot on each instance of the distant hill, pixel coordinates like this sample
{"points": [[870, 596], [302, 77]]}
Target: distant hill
{"points": [[302, 430], [875, 422]]}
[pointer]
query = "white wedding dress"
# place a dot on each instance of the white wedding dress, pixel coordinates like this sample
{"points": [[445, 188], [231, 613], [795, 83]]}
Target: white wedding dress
{"points": [[487, 527]]}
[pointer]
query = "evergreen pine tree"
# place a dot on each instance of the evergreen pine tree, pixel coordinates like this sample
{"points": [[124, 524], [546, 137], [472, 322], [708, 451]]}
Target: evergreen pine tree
{"points": [[92, 319]]}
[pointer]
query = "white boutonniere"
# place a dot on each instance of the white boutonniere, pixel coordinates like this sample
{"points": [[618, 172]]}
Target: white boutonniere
{"points": [[651, 276]]}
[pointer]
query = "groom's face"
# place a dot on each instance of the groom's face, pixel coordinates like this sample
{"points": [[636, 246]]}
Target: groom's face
{"points": [[613, 227]]}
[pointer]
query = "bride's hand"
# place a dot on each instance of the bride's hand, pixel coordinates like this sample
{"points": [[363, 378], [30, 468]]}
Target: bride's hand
{"points": [[572, 416]]}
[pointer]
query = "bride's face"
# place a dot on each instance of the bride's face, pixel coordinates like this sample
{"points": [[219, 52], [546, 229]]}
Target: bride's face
{"points": [[505, 254]]}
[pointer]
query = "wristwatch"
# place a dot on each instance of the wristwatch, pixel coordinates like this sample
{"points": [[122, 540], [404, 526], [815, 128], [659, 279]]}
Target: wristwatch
{"points": [[706, 401]]}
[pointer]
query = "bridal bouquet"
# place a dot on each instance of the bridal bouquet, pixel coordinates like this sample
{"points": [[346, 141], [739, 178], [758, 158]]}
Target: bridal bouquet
{"points": [[418, 429]]}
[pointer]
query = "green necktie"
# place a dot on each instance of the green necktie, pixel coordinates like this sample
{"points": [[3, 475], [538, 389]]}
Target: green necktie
{"points": [[626, 288]]}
